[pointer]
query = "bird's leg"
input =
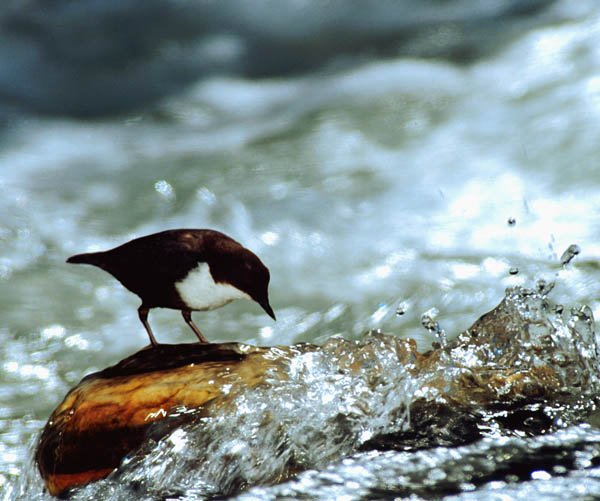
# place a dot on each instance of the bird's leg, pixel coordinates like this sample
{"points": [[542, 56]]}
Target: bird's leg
{"points": [[143, 314], [187, 316]]}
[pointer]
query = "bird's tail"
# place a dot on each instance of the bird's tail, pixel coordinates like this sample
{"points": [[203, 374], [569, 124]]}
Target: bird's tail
{"points": [[94, 258]]}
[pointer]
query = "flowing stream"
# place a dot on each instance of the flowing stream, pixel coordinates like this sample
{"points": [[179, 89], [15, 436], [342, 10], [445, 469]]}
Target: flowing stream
{"points": [[396, 193]]}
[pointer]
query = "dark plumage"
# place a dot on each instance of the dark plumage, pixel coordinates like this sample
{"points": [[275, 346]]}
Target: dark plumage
{"points": [[185, 270]]}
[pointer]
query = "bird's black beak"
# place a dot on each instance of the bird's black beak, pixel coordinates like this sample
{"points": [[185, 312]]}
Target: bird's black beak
{"points": [[267, 307]]}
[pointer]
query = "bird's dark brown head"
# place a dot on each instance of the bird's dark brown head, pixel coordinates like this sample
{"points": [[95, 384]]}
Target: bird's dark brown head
{"points": [[244, 270], [258, 286]]}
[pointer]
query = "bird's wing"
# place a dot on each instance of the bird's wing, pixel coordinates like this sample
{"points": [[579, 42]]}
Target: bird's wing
{"points": [[173, 259]]}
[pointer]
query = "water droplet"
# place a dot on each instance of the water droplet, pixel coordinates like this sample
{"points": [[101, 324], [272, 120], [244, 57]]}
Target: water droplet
{"points": [[467, 486], [514, 270], [164, 189], [572, 251], [207, 196], [511, 221], [270, 237], [401, 309], [540, 475], [428, 321], [560, 359], [380, 313], [558, 309], [544, 287], [54, 331], [437, 474], [583, 313]]}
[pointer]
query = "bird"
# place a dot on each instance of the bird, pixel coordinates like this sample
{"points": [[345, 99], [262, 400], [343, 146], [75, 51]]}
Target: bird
{"points": [[187, 270]]}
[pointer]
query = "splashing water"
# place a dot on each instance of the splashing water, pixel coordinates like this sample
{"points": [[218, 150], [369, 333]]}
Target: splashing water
{"points": [[567, 256], [520, 370], [493, 465], [428, 320], [313, 411], [395, 179]]}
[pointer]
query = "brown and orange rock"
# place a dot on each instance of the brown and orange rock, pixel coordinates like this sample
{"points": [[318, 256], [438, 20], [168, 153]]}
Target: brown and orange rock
{"points": [[108, 414]]}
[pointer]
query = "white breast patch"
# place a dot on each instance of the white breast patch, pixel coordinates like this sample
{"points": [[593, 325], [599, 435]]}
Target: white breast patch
{"points": [[200, 292]]}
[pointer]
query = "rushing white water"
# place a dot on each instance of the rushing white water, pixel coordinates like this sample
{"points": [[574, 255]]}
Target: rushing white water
{"points": [[322, 405], [363, 188], [446, 470]]}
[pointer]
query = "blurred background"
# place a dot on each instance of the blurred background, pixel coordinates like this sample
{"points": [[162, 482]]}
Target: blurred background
{"points": [[384, 159]]}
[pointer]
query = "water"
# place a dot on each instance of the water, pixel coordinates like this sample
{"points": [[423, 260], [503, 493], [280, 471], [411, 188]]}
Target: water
{"points": [[490, 469], [515, 386], [377, 183]]}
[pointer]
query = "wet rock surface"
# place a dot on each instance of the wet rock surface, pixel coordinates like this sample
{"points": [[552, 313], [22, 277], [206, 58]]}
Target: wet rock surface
{"points": [[108, 415]]}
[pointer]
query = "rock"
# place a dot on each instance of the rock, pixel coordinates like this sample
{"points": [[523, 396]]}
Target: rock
{"points": [[108, 414]]}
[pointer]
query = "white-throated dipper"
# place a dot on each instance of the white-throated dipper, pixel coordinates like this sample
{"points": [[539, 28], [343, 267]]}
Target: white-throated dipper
{"points": [[185, 270]]}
